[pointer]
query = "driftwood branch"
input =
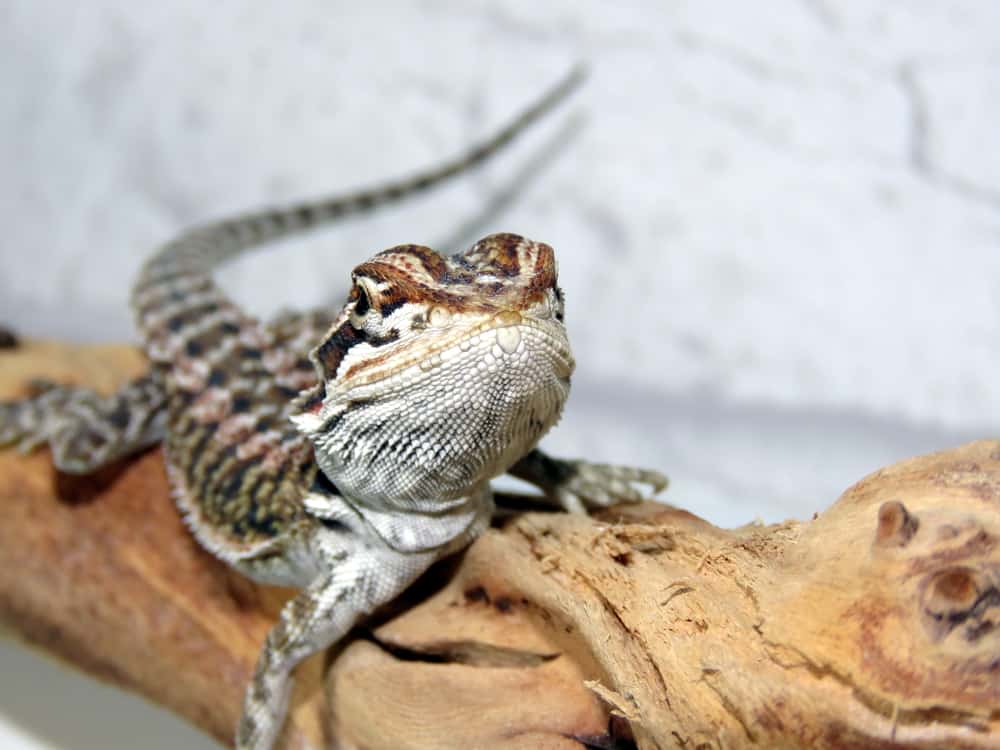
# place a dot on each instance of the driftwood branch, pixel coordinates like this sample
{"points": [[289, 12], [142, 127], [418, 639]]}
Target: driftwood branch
{"points": [[876, 624]]}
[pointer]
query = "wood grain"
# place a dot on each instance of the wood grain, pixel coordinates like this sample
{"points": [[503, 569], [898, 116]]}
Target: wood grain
{"points": [[876, 624]]}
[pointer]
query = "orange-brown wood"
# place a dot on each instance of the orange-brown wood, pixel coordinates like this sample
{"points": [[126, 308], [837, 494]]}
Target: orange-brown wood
{"points": [[876, 624]]}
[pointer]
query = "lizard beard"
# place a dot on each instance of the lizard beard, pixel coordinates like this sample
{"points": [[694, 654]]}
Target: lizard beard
{"points": [[432, 433]]}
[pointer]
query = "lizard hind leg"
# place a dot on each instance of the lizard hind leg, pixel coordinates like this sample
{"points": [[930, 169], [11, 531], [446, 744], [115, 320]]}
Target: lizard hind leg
{"points": [[84, 429], [363, 574]]}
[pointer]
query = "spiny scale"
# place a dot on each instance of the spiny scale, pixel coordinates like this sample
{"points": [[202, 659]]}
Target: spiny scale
{"points": [[340, 454]]}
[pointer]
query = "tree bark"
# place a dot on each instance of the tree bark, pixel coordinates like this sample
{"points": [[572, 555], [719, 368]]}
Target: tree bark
{"points": [[875, 624]]}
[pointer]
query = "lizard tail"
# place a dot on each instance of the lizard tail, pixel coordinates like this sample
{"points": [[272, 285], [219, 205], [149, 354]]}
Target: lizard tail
{"points": [[196, 252]]}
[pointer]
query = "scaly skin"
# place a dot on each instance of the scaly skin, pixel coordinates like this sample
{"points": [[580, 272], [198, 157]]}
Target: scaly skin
{"points": [[348, 468]]}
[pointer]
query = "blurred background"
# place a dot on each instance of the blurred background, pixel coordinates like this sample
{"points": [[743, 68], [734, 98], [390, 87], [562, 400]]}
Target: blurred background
{"points": [[778, 232]]}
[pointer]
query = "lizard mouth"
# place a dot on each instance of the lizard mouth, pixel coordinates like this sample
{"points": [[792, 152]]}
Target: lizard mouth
{"points": [[507, 339]]}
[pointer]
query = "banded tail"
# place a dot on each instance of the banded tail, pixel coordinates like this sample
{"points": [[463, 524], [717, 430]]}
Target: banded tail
{"points": [[198, 251]]}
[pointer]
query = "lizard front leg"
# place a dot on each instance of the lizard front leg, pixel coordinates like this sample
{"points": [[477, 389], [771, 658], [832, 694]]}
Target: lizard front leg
{"points": [[85, 429], [363, 574], [578, 486]]}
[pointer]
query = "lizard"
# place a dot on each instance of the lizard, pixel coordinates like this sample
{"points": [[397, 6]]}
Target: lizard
{"points": [[339, 454]]}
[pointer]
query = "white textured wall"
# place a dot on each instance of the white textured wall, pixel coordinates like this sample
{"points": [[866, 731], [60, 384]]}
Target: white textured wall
{"points": [[778, 225]]}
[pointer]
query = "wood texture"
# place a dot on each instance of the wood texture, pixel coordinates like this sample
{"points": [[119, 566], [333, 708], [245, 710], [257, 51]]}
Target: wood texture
{"points": [[876, 624]]}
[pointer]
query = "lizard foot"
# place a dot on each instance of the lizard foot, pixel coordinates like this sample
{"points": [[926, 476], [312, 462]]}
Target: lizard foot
{"points": [[20, 426], [589, 486]]}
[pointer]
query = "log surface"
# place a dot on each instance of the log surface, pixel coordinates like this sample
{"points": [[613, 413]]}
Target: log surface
{"points": [[876, 624]]}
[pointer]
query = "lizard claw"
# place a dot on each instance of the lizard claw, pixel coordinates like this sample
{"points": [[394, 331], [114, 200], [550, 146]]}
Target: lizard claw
{"points": [[18, 428], [590, 486]]}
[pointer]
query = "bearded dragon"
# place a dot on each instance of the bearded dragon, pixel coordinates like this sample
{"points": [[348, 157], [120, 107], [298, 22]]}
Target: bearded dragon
{"points": [[339, 454]]}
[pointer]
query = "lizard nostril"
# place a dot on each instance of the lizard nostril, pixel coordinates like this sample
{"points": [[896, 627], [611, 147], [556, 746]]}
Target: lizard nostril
{"points": [[439, 317]]}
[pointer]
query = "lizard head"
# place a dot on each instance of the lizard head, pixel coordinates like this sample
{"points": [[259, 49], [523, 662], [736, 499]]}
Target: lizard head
{"points": [[439, 372]]}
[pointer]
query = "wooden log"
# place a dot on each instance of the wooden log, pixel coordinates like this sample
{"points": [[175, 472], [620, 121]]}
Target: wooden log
{"points": [[875, 624]]}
